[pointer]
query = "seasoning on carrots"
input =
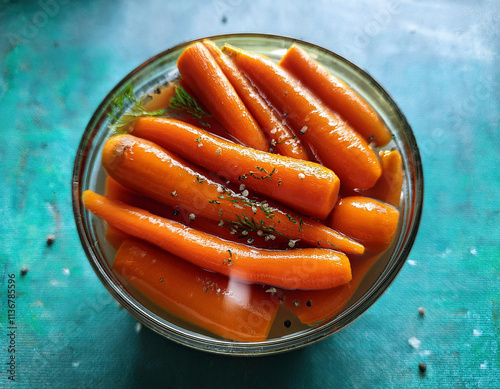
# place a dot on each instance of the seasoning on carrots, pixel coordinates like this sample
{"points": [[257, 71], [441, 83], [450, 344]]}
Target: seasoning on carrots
{"points": [[232, 310], [309, 268], [148, 169], [335, 144], [282, 139], [307, 187], [336, 95]]}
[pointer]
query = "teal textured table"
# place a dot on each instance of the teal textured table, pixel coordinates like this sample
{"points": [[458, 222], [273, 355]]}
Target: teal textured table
{"points": [[438, 60]]}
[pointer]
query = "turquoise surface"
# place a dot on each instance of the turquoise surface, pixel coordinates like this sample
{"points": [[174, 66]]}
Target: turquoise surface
{"points": [[440, 62]]}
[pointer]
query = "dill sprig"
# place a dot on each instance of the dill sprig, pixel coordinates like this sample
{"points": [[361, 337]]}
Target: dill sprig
{"points": [[184, 102], [244, 222], [135, 111]]}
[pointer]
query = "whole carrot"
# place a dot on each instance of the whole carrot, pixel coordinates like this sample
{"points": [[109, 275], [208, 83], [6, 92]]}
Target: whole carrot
{"points": [[369, 221], [336, 95], [232, 310], [282, 139], [148, 169], [389, 185], [305, 186], [116, 191], [309, 268], [334, 143], [205, 78]]}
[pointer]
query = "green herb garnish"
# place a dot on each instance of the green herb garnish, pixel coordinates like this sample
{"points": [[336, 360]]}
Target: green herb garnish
{"points": [[135, 111], [184, 102]]}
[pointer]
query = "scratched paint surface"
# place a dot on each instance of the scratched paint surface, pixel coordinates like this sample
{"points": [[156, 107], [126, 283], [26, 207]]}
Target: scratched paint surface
{"points": [[439, 61]]}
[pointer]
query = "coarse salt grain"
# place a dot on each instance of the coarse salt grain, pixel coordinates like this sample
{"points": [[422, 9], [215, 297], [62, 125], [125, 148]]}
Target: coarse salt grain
{"points": [[302, 176], [414, 342]]}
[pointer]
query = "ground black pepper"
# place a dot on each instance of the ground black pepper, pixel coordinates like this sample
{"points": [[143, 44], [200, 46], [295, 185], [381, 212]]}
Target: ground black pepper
{"points": [[422, 367], [24, 270], [287, 323]]}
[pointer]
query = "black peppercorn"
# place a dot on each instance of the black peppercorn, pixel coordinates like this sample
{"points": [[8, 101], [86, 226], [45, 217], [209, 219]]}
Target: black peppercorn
{"points": [[287, 323], [422, 367]]}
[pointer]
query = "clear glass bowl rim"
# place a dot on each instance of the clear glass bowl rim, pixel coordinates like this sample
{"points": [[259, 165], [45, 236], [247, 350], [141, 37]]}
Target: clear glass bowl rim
{"points": [[271, 346]]}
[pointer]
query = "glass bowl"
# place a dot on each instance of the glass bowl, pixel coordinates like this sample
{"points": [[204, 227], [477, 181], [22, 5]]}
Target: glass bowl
{"points": [[88, 174]]}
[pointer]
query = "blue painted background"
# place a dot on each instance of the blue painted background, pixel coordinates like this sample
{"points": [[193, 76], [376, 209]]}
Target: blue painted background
{"points": [[438, 59]]}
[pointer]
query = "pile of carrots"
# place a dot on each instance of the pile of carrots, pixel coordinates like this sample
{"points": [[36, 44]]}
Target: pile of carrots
{"points": [[275, 198]]}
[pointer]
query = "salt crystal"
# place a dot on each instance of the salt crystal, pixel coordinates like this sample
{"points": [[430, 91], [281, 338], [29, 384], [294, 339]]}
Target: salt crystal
{"points": [[66, 271], [414, 342], [75, 364], [473, 251], [138, 327], [477, 332]]}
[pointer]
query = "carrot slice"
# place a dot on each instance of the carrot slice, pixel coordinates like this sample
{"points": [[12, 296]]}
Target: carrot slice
{"points": [[309, 268], [334, 143], [232, 310], [314, 306], [148, 169], [336, 95], [389, 185], [305, 186], [369, 221], [205, 78], [282, 139]]}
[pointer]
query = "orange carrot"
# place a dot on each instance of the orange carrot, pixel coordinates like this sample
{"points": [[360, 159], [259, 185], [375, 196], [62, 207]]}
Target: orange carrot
{"points": [[309, 268], [334, 143], [148, 169], [389, 185], [307, 187], [232, 310], [205, 78], [314, 306], [115, 237], [116, 191], [369, 221], [282, 139], [336, 95]]}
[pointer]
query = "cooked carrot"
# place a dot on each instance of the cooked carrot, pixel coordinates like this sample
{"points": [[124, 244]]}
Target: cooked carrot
{"points": [[148, 169], [200, 119], [336, 95], [115, 237], [116, 191], [334, 143], [232, 310], [307, 187], [309, 268], [389, 185], [205, 78], [282, 139], [314, 306], [369, 221]]}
